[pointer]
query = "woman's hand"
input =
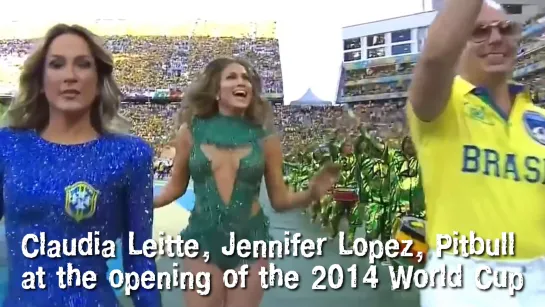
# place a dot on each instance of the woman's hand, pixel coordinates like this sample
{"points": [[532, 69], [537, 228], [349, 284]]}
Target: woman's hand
{"points": [[324, 180]]}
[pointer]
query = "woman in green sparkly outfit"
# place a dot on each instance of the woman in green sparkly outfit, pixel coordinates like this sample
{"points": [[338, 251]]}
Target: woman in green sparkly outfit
{"points": [[226, 145]]}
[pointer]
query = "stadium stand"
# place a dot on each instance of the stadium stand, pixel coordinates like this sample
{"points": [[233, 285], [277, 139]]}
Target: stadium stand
{"points": [[379, 86], [151, 68], [157, 68], [151, 65]]}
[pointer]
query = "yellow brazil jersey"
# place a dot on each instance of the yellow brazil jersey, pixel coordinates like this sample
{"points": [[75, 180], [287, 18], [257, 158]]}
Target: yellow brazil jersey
{"points": [[483, 170]]}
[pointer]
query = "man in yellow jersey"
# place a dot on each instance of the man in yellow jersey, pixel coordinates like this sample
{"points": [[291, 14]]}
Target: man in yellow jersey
{"points": [[481, 145]]}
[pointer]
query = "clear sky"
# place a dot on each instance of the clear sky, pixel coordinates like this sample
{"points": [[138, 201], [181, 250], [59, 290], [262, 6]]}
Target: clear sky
{"points": [[309, 31]]}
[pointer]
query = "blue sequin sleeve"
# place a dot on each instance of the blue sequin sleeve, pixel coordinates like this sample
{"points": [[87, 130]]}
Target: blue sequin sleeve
{"points": [[1, 188], [139, 221], [3, 142]]}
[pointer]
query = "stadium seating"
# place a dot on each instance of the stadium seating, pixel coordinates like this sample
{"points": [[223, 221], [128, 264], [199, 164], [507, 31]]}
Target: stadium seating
{"points": [[150, 64], [147, 63], [379, 86]]}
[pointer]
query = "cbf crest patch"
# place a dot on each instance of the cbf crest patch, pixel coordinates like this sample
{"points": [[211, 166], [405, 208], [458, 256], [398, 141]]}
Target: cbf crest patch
{"points": [[81, 201], [535, 126]]}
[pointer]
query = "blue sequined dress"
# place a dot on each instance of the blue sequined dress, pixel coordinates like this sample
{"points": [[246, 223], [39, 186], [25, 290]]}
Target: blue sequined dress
{"points": [[67, 191]]}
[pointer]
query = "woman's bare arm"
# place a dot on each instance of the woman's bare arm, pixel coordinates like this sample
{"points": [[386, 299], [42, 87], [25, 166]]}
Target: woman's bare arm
{"points": [[177, 184]]}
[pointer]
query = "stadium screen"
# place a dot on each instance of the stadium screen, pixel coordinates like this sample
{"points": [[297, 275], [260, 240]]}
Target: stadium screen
{"points": [[401, 36], [376, 40], [401, 49], [352, 43], [352, 56], [376, 52]]}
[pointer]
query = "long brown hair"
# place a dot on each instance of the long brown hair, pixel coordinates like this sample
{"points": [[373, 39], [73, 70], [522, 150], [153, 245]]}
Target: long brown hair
{"points": [[200, 97], [30, 110]]}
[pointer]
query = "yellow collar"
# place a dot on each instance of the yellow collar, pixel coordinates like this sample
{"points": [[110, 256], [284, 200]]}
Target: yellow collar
{"points": [[515, 88]]}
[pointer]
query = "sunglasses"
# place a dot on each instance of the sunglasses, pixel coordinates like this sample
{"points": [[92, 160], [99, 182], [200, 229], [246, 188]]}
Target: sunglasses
{"points": [[506, 28]]}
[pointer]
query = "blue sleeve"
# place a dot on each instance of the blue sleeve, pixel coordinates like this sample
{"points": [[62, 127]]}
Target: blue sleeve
{"points": [[1, 188], [3, 141], [139, 220]]}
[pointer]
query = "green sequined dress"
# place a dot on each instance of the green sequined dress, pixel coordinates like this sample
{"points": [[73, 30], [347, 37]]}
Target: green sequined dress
{"points": [[212, 220]]}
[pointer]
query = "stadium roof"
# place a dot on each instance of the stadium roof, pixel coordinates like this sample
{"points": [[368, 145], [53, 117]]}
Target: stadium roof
{"points": [[392, 18], [423, 19], [388, 25]]}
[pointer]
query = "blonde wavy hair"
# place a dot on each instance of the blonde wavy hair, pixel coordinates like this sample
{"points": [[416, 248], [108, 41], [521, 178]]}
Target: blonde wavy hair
{"points": [[30, 109], [200, 97]]}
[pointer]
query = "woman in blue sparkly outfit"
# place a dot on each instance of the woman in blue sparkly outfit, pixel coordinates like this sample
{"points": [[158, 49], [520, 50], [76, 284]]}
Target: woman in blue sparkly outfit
{"points": [[66, 169]]}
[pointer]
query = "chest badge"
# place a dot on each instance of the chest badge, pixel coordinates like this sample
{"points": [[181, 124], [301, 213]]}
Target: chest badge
{"points": [[534, 123], [478, 113], [80, 201]]}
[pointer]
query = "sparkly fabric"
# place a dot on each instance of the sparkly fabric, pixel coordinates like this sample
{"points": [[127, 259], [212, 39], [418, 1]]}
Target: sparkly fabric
{"points": [[212, 220], [66, 191]]}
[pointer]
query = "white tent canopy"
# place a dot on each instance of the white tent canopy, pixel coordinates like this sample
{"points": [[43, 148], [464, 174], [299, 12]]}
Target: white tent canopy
{"points": [[309, 99]]}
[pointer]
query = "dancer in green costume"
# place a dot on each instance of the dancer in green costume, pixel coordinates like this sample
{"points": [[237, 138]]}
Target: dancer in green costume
{"points": [[347, 181], [411, 183], [226, 145]]}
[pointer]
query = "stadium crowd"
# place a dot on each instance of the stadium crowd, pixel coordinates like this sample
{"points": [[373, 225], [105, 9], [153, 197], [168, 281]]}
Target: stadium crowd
{"points": [[150, 62], [146, 63]]}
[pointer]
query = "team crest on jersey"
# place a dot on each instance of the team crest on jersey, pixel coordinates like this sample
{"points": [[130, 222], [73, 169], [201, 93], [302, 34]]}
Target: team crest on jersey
{"points": [[535, 126], [478, 113], [81, 200]]}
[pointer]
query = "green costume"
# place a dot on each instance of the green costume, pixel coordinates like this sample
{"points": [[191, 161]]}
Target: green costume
{"points": [[386, 180], [346, 209], [212, 220]]}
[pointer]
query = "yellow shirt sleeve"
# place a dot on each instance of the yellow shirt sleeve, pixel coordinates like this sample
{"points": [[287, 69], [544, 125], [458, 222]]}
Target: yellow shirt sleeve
{"points": [[444, 126]]}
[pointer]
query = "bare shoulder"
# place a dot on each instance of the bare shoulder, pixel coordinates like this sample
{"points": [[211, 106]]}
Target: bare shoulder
{"points": [[183, 136]]}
